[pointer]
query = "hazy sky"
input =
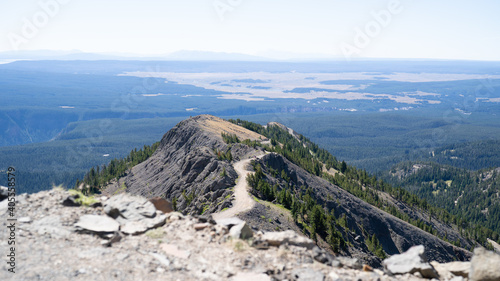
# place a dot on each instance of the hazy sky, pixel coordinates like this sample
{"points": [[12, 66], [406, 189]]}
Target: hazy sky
{"points": [[445, 29]]}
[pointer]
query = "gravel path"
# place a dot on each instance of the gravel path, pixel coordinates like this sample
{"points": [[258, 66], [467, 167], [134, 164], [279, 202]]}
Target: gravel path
{"points": [[243, 202]]}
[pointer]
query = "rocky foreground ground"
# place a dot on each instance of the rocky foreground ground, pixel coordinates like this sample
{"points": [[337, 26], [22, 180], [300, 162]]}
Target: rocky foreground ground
{"points": [[127, 238]]}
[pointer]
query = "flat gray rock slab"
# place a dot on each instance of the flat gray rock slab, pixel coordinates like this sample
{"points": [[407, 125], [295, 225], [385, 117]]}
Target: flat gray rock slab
{"points": [[99, 224], [141, 226], [126, 207]]}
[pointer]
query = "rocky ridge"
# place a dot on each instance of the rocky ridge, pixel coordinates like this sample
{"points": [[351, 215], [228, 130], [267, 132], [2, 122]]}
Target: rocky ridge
{"points": [[191, 166], [61, 241]]}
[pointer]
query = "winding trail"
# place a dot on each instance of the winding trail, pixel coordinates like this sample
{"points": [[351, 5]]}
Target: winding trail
{"points": [[242, 202]]}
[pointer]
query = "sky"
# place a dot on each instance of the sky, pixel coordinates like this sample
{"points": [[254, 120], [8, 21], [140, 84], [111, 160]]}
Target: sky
{"points": [[422, 29]]}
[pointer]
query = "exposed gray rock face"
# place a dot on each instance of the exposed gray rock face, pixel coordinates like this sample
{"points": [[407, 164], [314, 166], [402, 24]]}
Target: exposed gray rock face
{"points": [[485, 265], [98, 224], [411, 261], [186, 167]]}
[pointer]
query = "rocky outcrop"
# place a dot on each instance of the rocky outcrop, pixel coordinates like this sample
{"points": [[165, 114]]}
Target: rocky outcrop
{"points": [[186, 168]]}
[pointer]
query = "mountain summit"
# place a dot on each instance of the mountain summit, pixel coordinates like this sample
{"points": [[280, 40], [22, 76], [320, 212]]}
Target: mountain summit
{"points": [[276, 179]]}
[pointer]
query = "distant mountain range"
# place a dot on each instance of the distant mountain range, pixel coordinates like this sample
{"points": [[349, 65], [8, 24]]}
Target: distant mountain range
{"points": [[184, 55]]}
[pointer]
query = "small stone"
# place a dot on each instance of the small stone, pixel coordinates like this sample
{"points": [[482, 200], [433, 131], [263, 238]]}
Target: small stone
{"points": [[71, 201], [322, 256], [367, 268], [96, 204], [260, 245], [334, 276], [173, 216], [24, 220], [350, 262], [4, 193], [117, 237], [201, 226], [82, 271]]}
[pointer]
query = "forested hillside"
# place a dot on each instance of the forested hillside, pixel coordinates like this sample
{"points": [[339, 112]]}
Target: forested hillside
{"points": [[472, 196], [301, 151]]}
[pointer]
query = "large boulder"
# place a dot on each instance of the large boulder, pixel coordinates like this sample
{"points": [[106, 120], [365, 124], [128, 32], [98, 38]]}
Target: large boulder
{"points": [[125, 207], [411, 261], [485, 265], [135, 214]]}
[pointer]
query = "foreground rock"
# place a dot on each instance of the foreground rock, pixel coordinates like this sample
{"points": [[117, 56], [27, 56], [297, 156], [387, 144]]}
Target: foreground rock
{"points": [[135, 214], [451, 270], [183, 248], [485, 266], [411, 261]]}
